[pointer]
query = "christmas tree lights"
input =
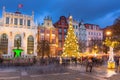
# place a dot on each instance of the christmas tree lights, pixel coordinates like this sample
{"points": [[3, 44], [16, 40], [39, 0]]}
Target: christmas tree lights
{"points": [[70, 48]]}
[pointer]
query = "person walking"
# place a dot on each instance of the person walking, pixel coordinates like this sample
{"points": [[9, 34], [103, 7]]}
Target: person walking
{"points": [[118, 65], [89, 65]]}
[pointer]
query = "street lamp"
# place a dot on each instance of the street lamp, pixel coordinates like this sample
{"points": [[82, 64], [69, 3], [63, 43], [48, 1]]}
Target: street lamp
{"points": [[108, 33], [111, 62]]}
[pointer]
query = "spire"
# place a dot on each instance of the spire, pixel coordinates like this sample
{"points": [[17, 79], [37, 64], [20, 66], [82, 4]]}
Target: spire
{"points": [[33, 15], [82, 22], [69, 14], [70, 21], [3, 9]]}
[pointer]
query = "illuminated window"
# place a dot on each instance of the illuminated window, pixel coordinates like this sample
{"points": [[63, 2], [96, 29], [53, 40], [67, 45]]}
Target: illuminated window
{"points": [[30, 45], [3, 44], [53, 41], [17, 41], [60, 44], [60, 37]]}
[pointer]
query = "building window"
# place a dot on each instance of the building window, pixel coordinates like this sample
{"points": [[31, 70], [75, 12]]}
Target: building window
{"points": [[53, 32], [64, 36], [89, 33], [65, 30], [4, 44], [28, 22], [76, 34], [48, 24], [30, 45], [42, 37], [99, 34], [62, 23], [60, 37], [17, 41], [53, 41], [48, 32], [76, 27], [15, 21], [60, 44], [7, 20], [21, 21], [60, 30], [42, 31], [47, 38]]}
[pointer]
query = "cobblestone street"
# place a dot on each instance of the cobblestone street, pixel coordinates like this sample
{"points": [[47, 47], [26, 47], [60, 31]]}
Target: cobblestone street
{"points": [[72, 73]]}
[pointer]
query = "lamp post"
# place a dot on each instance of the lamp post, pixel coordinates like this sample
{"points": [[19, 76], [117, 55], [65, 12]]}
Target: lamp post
{"points": [[111, 62]]}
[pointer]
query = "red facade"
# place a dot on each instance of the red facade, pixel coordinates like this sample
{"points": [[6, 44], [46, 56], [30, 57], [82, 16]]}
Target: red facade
{"points": [[62, 27]]}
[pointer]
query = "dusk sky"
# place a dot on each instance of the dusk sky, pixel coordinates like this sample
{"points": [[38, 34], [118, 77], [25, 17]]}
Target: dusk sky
{"points": [[101, 12]]}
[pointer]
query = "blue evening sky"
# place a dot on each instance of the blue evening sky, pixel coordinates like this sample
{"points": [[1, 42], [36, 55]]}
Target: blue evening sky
{"points": [[101, 12]]}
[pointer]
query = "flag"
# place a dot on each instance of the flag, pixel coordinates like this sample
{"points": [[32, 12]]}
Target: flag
{"points": [[20, 5]]}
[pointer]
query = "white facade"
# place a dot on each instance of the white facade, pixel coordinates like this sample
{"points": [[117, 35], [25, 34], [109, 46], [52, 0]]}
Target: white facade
{"points": [[82, 37], [13, 24], [94, 35], [76, 28], [82, 32]]}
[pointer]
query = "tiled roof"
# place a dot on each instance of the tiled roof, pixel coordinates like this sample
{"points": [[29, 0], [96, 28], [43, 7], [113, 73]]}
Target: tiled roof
{"points": [[90, 26]]}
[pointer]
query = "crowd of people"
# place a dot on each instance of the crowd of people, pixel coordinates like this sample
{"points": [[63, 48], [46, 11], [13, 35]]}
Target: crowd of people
{"points": [[87, 62]]}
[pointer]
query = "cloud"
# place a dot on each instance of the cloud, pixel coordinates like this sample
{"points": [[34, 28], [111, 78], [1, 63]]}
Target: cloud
{"points": [[89, 10], [108, 19]]}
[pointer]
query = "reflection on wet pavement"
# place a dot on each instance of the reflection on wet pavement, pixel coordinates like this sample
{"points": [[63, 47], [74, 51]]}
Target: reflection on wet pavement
{"points": [[110, 73]]}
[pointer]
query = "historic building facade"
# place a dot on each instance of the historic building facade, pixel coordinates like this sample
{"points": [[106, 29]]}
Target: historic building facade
{"points": [[61, 25], [82, 36], [48, 32], [17, 27], [94, 35], [76, 28]]}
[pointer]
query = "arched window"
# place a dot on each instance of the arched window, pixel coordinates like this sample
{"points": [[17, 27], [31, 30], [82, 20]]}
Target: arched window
{"points": [[17, 41], [4, 44], [30, 45]]}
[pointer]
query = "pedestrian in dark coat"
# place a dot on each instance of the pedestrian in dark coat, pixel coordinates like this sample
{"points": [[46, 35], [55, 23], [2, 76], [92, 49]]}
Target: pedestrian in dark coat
{"points": [[89, 65]]}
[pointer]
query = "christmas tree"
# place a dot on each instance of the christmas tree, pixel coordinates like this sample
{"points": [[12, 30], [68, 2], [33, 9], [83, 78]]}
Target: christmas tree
{"points": [[70, 48]]}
